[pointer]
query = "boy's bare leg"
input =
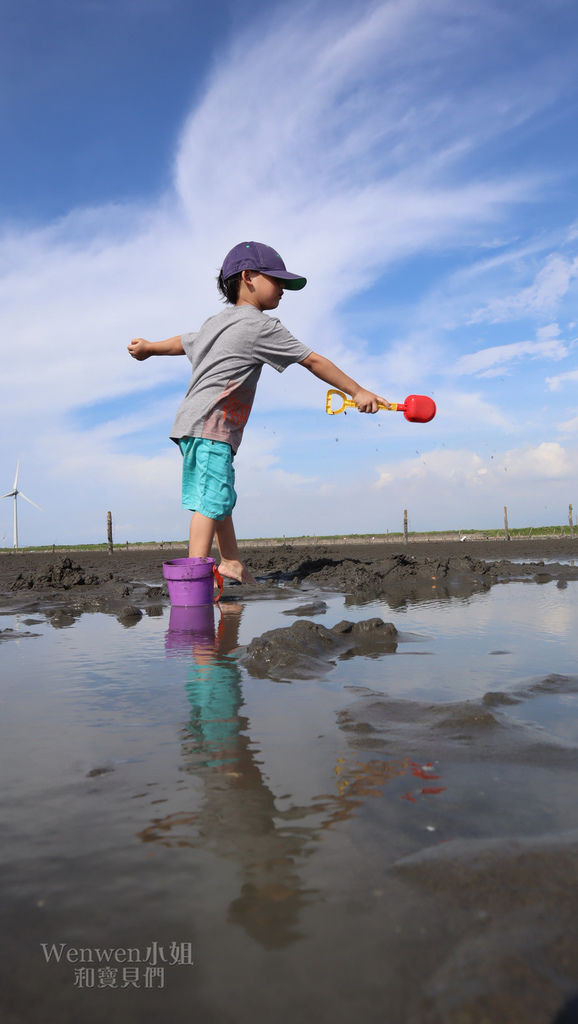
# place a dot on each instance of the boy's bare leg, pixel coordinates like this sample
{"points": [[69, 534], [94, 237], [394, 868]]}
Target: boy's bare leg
{"points": [[231, 565], [201, 533]]}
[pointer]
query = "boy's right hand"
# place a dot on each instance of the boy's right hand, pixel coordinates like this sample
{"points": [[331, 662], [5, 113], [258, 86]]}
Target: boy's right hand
{"points": [[139, 348], [367, 401]]}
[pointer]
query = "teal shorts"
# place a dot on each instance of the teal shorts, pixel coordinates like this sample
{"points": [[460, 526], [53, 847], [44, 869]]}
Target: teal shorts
{"points": [[208, 477]]}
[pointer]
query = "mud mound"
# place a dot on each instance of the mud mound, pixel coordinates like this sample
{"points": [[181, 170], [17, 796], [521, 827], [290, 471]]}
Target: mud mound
{"points": [[397, 578], [306, 649], [416, 575], [312, 608], [58, 577], [555, 683], [15, 634]]}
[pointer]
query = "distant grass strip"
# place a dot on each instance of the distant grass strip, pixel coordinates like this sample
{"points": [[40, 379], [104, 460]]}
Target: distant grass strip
{"points": [[335, 538]]}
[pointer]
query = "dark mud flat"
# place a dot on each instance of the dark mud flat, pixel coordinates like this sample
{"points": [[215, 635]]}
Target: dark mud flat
{"points": [[129, 581]]}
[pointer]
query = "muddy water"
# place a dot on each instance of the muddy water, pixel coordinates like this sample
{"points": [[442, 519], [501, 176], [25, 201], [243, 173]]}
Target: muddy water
{"points": [[392, 837]]}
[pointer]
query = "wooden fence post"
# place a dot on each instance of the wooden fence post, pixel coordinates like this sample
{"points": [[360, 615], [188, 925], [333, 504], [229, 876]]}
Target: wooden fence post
{"points": [[405, 537], [506, 530], [571, 520], [109, 532]]}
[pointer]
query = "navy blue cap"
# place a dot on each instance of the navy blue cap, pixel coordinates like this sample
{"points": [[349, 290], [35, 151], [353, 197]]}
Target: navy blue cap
{"points": [[263, 259]]}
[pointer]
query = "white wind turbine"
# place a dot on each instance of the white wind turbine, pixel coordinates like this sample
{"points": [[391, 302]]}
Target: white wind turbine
{"points": [[14, 494]]}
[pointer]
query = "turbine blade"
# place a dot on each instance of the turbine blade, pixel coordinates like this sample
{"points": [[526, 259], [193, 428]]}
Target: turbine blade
{"points": [[30, 502], [16, 477], [9, 495]]}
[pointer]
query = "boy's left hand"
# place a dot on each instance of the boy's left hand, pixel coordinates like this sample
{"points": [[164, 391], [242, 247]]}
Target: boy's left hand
{"points": [[139, 348], [366, 401]]}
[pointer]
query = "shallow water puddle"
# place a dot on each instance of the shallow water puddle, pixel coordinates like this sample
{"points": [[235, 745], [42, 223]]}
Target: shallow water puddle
{"points": [[297, 836]]}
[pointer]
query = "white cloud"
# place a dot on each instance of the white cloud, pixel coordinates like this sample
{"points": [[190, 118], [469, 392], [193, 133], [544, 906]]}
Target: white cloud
{"points": [[439, 466], [497, 358], [569, 427], [554, 383], [462, 468], [545, 462], [465, 408], [543, 296], [459, 488]]}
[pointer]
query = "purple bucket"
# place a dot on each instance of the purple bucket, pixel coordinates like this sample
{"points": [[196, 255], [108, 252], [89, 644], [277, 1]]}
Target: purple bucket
{"points": [[190, 580]]}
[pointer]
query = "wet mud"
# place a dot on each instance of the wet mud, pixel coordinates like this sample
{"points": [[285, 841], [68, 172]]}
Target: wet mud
{"points": [[307, 649], [491, 898], [399, 574], [15, 634]]}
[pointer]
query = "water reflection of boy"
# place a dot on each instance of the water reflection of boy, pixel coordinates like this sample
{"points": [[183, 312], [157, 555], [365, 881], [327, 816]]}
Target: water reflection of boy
{"points": [[238, 815], [214, 689]]}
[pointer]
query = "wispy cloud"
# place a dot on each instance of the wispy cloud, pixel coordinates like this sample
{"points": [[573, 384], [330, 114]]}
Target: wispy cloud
{"points": [[554, 383], [569, 427], [543, 296], [499, 359]]}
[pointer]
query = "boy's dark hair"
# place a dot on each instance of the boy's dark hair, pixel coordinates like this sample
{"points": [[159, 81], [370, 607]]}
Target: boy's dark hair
{"points": [[229, 289]]}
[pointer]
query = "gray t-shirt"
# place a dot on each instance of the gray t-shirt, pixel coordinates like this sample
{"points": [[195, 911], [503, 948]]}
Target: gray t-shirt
{"points": [[227, 356]]}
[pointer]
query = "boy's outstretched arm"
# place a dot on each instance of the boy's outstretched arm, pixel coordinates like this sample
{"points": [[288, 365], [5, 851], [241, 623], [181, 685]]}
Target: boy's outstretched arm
{"points": [[140, 348], [366, 401]]}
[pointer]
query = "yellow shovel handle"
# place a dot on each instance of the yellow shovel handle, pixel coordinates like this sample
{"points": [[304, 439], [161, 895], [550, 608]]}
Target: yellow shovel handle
{"points": [[347, 403]]}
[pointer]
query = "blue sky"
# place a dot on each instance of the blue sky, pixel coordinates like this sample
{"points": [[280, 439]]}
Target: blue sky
{"points": [[416, 160]]}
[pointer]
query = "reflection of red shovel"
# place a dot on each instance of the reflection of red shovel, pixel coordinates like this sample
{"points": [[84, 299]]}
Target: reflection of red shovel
{"points": [[416, 408]]}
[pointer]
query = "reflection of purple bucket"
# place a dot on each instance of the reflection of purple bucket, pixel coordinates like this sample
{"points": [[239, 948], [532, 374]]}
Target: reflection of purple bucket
{"points": [[190, 580], [191, 627]]}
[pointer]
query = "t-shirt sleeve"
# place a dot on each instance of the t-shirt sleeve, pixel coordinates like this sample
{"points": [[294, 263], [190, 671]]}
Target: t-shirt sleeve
{"points": [[188, 341], [277, 347]]}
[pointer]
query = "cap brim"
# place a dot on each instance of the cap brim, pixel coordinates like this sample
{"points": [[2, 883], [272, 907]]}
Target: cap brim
{"points": [[295, 284], [292, 282]]}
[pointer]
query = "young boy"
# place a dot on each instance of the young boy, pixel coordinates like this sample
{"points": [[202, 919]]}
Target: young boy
{"points": [[227, 356]]}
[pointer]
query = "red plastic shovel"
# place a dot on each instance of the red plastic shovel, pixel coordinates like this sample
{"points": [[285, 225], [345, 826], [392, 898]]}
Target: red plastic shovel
{"points": [[416, 408]]}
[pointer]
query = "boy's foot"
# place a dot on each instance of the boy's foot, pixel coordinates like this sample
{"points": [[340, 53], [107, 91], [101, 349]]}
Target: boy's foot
{"points": [[232, 570]]}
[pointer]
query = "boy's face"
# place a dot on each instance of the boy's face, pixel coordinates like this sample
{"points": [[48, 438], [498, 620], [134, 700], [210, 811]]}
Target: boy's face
{"points": [[262, 291]]}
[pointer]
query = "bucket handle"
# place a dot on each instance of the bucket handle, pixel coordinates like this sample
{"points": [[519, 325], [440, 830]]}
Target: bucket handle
{"points": [[219, 582]]}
